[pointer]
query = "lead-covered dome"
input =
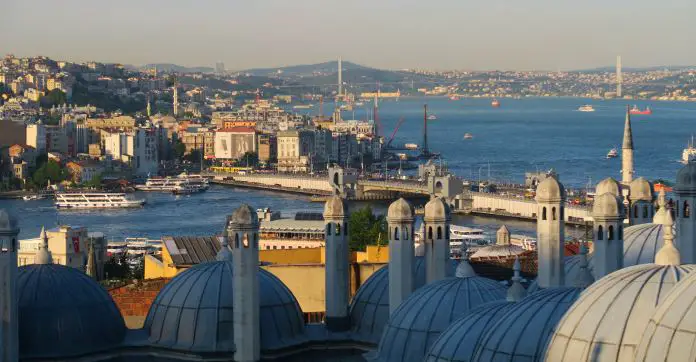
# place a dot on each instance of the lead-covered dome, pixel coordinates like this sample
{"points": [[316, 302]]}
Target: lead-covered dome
{"points": [[436, 210], [335, 207], [670, 333], [244, 215], [686, 179], [420, 319], [63, 313], [459, 341], [194, 312], [522, 333], [641, 190], [607, 321], [607, 205], [400, 210], [550, 190], [609, 185], [369, 309]]}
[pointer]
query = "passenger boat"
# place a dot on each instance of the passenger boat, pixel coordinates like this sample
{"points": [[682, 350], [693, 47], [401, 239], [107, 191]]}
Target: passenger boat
{"points": [[468, 136], [454, 97], [169, 184], [432, 117], [474, 239], [636, 110], [586, 108], [411, 146], [495, 103], [689, 153], [612, 153], [95, 200], [303, 106], [187, 189]]}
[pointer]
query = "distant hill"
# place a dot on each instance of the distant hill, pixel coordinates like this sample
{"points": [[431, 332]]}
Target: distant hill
{"points": [[167, 67], [611, 69], [305, 69]]}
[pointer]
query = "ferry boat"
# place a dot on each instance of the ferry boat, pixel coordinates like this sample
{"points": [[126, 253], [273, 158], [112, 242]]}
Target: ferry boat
{"points": [[586, 108], [689, 153], [468, 136], [636, 110], [303, 106], [169, 184], [495, 103], [432, 117], [187, 189], [95, 200], [474, 239], [612, 153], [411, 146]]}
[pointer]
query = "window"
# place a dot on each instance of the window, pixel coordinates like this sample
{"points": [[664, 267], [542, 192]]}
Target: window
{"points": [[543, 214], [236, 241], [687, 210], [611, 233], [600, 233], [562, 213], [405, 233], [439, 232], [328, 229], [345, 229], [553, 213], [338, 229], [645, 211], [396, 233], [245, 240], [430, 232]]}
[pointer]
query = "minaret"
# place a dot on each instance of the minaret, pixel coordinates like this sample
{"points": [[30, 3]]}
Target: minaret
{"points": [[550, 198], [176, 99], [608, 216], [401, 252], [340, 78], [627, 151], [243, 229], [436, 235], [43, 254], [9, 328], [149, 107], [516, 292], [685, 190], [91, 268], [641, 207], [337, 273]]}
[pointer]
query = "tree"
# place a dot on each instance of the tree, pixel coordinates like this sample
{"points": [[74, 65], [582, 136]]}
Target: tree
{"points": [[179, 150], [55, 97], [249, 158], [49, 171], [193, 156], [366, 229], [117, 268], [95, 182]]}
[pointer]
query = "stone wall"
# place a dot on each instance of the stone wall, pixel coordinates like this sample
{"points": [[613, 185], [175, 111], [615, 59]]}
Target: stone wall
{"points": [[134, 299]]}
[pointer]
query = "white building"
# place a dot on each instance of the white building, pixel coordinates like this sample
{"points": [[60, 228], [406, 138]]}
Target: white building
{"points": [[36, 137], [233, 143]]}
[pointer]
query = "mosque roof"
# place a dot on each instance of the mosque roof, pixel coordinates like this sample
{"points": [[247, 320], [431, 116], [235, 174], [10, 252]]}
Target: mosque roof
{"points": [[64, 313], [420, 319], [609, 185], [335, 207], [641, 190], [550, 190], [521, 334], [436, 210], [607, 321], [194, 312], [607, 205], [499, 251], [400, 210]]}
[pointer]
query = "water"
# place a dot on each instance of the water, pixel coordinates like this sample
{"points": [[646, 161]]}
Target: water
{"points": [[522, 135]]}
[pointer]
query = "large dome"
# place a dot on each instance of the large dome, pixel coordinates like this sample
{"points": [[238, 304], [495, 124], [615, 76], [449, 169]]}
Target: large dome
{"points": [[458, 342], [670, 333], [522, 333], [369, 309], [424, 315], [607, 321], [194, 312], [64, 313]]}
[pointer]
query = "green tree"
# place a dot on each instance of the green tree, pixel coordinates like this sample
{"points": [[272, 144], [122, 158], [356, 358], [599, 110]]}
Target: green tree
{"points": [[95, 182], [179, 150], [194, 156], [117, 268], [250, 159], [55, 97], [49, 171], [366, 229]]}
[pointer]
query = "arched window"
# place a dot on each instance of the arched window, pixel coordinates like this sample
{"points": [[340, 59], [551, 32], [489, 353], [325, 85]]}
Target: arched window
{"points": [[635, 211], [553, 213], [328, 229], [562, 213], [687, 210], [611, 233], [543, 214], [345, 229], [338, 229], [245, 240], [439, 232], [405, 233], [396, 233], [256, 240], [645, 211], [600, 233], [236, 241], [620, 232], [676, 209], [430, 232]]}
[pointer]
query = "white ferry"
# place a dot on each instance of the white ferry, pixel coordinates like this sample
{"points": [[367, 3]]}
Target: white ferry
{"points": [[95, 200], [613, 153], [474, 238], [137, 247], [586, 108], [170, 184], [689, 153]]}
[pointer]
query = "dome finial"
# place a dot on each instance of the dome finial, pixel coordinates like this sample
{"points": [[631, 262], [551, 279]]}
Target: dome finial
{"points": [[668, 254], [516, 291], [224, 254], [661, 216], [43, 255], [584, 278], [464, 269]]}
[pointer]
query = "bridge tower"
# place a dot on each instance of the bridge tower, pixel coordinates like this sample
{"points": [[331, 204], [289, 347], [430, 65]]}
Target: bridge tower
{"points": [[343, 182]]}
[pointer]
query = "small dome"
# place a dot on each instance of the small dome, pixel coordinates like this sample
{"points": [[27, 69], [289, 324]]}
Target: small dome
{"points": [[607, 205], [686, 179], [458, 342], [400, 210], [669, 335], [369, 309], [335, 208], [8, 223], [194, 312], [64, 313], [436, 210], [629, 296], [244, 216], [550, 190], [608, 185], [426, 313], [641, 190], [522, 333]]}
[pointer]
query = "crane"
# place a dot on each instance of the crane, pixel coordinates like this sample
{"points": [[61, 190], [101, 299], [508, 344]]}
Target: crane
{"points": [[396, 128]]}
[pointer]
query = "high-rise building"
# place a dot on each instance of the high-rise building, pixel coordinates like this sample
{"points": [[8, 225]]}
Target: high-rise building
{"points": [[220, 68], [619, 77]]}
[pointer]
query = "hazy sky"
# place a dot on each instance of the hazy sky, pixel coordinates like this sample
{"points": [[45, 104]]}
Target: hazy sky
{"points": [[439, 34]]}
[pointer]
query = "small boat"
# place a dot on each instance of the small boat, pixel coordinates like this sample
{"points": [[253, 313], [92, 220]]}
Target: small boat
{"points": [[689, 153], [432, 117], [454, 97], [468, 136], [411, 146], [31, 197], [303, 106], [359, 104], [612, 153], [495, 103], [586, 108], [636, 110]]}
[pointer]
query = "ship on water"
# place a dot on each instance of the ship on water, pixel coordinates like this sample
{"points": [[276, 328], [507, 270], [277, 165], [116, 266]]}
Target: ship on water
{"points": [[636, 110], [95, 200], [495, 103], [586, 108], [174, 184], [689, 153], [613, 153]]}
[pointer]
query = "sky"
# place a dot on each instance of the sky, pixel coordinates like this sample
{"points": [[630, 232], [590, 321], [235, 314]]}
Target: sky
{"points": [[389, 34]]}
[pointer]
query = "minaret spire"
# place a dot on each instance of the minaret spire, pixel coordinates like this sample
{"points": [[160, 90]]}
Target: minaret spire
{"points": [[668, 254], [627, 151], [516, 292], [43, 255]]}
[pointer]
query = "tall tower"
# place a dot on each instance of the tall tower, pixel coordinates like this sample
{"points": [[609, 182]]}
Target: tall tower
{"points": [[340, 78], [243, 230], [337, 271], [176, 99], [436, 235], [9, 329], [686, 220], [149, 107], [627, 151], [608, 216], [619, 77], [641, 208], [401, 252], [550, 198]]}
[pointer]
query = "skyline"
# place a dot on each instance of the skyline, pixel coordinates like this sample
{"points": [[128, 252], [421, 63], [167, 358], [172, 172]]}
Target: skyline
{"points": [[466, 35]]}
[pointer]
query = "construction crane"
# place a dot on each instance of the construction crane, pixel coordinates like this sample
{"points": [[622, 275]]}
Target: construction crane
{"points": [[396, 128]]}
